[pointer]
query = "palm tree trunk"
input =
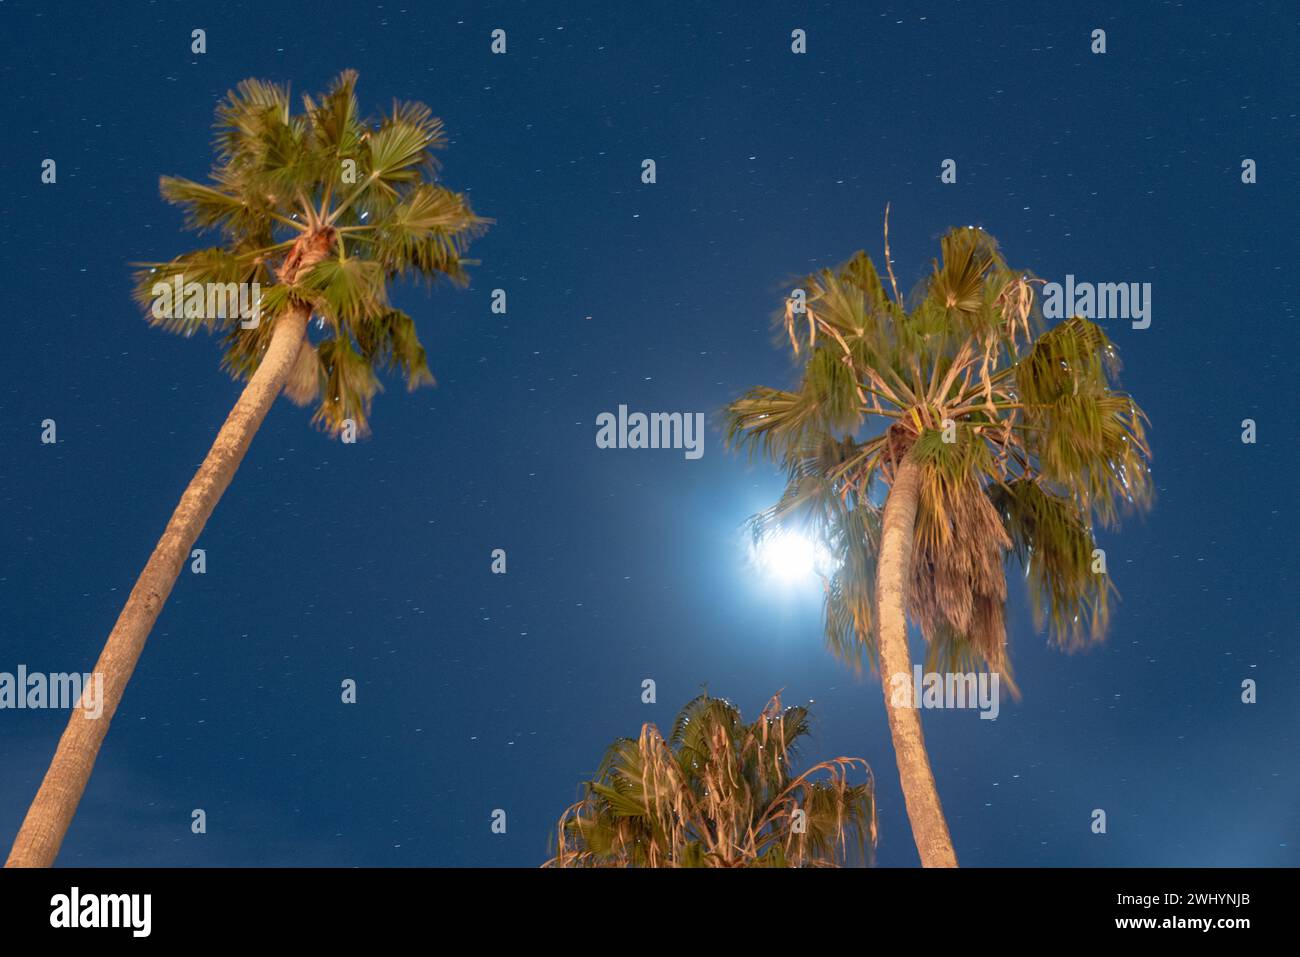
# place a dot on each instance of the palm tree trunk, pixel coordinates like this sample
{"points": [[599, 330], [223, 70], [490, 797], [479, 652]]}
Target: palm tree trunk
{"points": [[51, 812], [929, 829]]}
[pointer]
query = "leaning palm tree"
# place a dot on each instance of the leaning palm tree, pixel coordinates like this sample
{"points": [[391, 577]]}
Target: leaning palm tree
{"points": [[321, 209], [926, 446], [721, 793]]}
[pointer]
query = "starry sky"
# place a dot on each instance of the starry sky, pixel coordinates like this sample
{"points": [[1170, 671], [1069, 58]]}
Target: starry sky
{"points": [[372, 561]]}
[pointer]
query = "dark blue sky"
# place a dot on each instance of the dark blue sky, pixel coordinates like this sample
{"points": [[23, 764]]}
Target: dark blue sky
{"points": [[371, 561]]}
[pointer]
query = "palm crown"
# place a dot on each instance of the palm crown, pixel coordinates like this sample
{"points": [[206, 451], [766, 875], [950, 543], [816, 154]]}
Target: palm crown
{"points": [[322, 209], [1023, 441], [720, 793]]}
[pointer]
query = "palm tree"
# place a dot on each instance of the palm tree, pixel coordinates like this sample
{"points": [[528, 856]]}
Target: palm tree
{"points": [[722, 793], [926, 446], [321, 209]]}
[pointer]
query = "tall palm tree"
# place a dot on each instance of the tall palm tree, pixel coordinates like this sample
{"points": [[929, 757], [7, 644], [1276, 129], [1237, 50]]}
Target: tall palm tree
{"points": [[928, 445], [721, 793], [322, 209]]}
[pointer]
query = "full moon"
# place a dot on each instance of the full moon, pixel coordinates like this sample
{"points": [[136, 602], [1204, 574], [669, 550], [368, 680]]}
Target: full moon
{"points": [[790, 557]]}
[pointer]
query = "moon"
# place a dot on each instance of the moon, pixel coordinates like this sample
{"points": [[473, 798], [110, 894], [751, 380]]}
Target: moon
{"points": [[791, 557]]}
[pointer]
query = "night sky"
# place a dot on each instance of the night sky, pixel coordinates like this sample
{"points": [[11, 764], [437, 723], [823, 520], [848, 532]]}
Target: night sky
{"points": [[372, 561]]}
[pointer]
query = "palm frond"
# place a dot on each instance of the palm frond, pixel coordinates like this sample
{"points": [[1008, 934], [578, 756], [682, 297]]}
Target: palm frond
{"points": [[1021, 433], [719, 793], [313, 240]]}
